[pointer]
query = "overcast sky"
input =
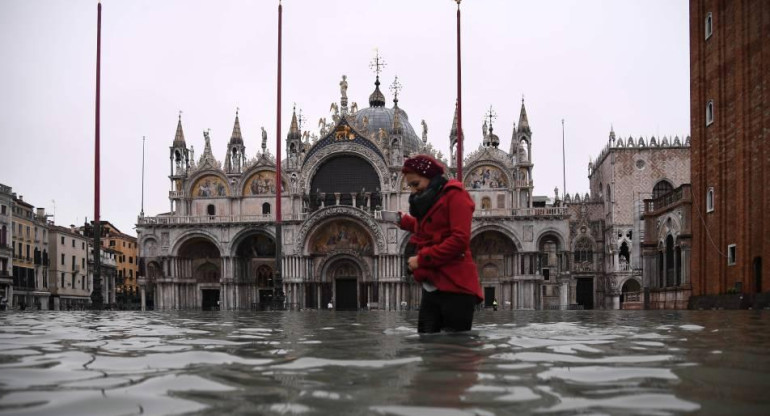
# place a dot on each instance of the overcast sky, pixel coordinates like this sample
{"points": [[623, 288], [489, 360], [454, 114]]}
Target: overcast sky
{"points": [[594, 63]]}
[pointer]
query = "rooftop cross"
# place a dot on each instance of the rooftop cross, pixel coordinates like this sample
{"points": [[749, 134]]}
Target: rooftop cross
{"points": [[300, 119], [377, 63], [395, 87], [491, 115]]}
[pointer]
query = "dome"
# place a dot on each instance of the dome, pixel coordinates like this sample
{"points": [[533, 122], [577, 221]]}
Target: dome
{"points": [[382, 118]]}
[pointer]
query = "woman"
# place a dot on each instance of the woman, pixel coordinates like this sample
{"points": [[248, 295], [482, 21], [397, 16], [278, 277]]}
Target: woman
{"points": [[440, 214]]}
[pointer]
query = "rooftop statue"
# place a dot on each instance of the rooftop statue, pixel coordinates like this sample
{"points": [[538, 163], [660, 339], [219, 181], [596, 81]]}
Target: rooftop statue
{"points": [[344, 87], [264, 138]]}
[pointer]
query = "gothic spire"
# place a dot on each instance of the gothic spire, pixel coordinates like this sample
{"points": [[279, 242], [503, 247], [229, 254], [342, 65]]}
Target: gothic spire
{"points": [[179, 137], [294, 132], [236, 137], [523, 122], [453, 130]]}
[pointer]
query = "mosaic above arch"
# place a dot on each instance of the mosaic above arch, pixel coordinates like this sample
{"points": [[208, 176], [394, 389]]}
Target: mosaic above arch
{"points": [[262, 182], [486, 177], [341, 234], [210, 186]]}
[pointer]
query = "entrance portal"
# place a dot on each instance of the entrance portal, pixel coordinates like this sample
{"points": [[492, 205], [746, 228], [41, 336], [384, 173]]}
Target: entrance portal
{"points": [[489, 296], [210, 299], [585, 292], [345, 294]]}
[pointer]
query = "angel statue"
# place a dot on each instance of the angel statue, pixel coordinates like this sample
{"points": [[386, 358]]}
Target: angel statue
{"points": [[322, 123], [354, 107], [424, 131], [334, 109]]}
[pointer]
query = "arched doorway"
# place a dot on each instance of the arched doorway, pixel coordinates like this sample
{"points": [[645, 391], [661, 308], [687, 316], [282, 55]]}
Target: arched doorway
{"points": [[345, 274], [154, 273], [254, 270], [345, 237], [493, 253], [630, 292], [201, 260]]}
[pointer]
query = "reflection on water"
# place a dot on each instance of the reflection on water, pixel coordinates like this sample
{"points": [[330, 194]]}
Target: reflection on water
{"points": [[332, 363]]}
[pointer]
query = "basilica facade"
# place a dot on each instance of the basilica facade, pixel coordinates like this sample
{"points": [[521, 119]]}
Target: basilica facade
{"points": [[216, 248]]}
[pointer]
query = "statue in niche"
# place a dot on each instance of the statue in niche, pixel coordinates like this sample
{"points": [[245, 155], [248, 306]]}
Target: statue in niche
{"points": [[361, 198]]}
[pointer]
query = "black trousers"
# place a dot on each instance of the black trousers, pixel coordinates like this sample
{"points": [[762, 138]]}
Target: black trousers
{"points": [[445, 311]]}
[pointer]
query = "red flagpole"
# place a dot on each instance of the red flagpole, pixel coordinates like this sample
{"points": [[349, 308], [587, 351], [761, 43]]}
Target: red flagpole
{"points": [[96, 296], [278, 280], [459, 103]]}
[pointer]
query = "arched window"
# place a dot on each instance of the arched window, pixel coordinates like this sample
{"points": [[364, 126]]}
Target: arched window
{"points": [[266, 208], [584, 251], [710, 199], [709, 25], [211, 209], [3, 237], [609, 199], [486, 203], [661, 188], [709, 112], [625, 257]]}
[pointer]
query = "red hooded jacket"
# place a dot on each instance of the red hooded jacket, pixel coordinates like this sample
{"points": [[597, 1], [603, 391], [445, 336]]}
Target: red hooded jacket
{"points": [[443, 240]]}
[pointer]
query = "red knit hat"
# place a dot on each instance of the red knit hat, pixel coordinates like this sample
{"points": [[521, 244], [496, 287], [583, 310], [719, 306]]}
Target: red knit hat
{"points": [[423, 165]]}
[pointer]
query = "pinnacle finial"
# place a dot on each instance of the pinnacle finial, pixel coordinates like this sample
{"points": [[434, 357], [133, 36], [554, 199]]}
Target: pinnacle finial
{"points": [[395, 87]]}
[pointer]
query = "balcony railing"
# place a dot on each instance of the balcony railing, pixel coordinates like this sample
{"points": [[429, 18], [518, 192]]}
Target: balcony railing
{"points": [[668, 199], [540, 212], [498, 212], [215, 219]]}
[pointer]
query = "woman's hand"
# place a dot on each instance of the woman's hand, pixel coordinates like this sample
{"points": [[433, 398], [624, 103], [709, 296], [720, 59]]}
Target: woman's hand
{"points": [[412, 263]]}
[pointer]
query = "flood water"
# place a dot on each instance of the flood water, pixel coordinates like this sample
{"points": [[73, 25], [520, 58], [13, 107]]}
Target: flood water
{"points": [[374, 363]]}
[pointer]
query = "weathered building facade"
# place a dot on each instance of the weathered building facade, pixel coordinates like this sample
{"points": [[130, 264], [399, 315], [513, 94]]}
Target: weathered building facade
{"points": [[730, 121], [216, 247], [624, 175], [6, 249]]}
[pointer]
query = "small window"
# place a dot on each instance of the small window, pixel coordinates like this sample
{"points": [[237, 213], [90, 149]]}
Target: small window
{"points": [[709, 25], [62, 239], [710, 199], [211, 209], [2, 207], [265, 208], [83, 246], [62, 280], [73, 243], [731, 255], [62, 259], [710, 112]]}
